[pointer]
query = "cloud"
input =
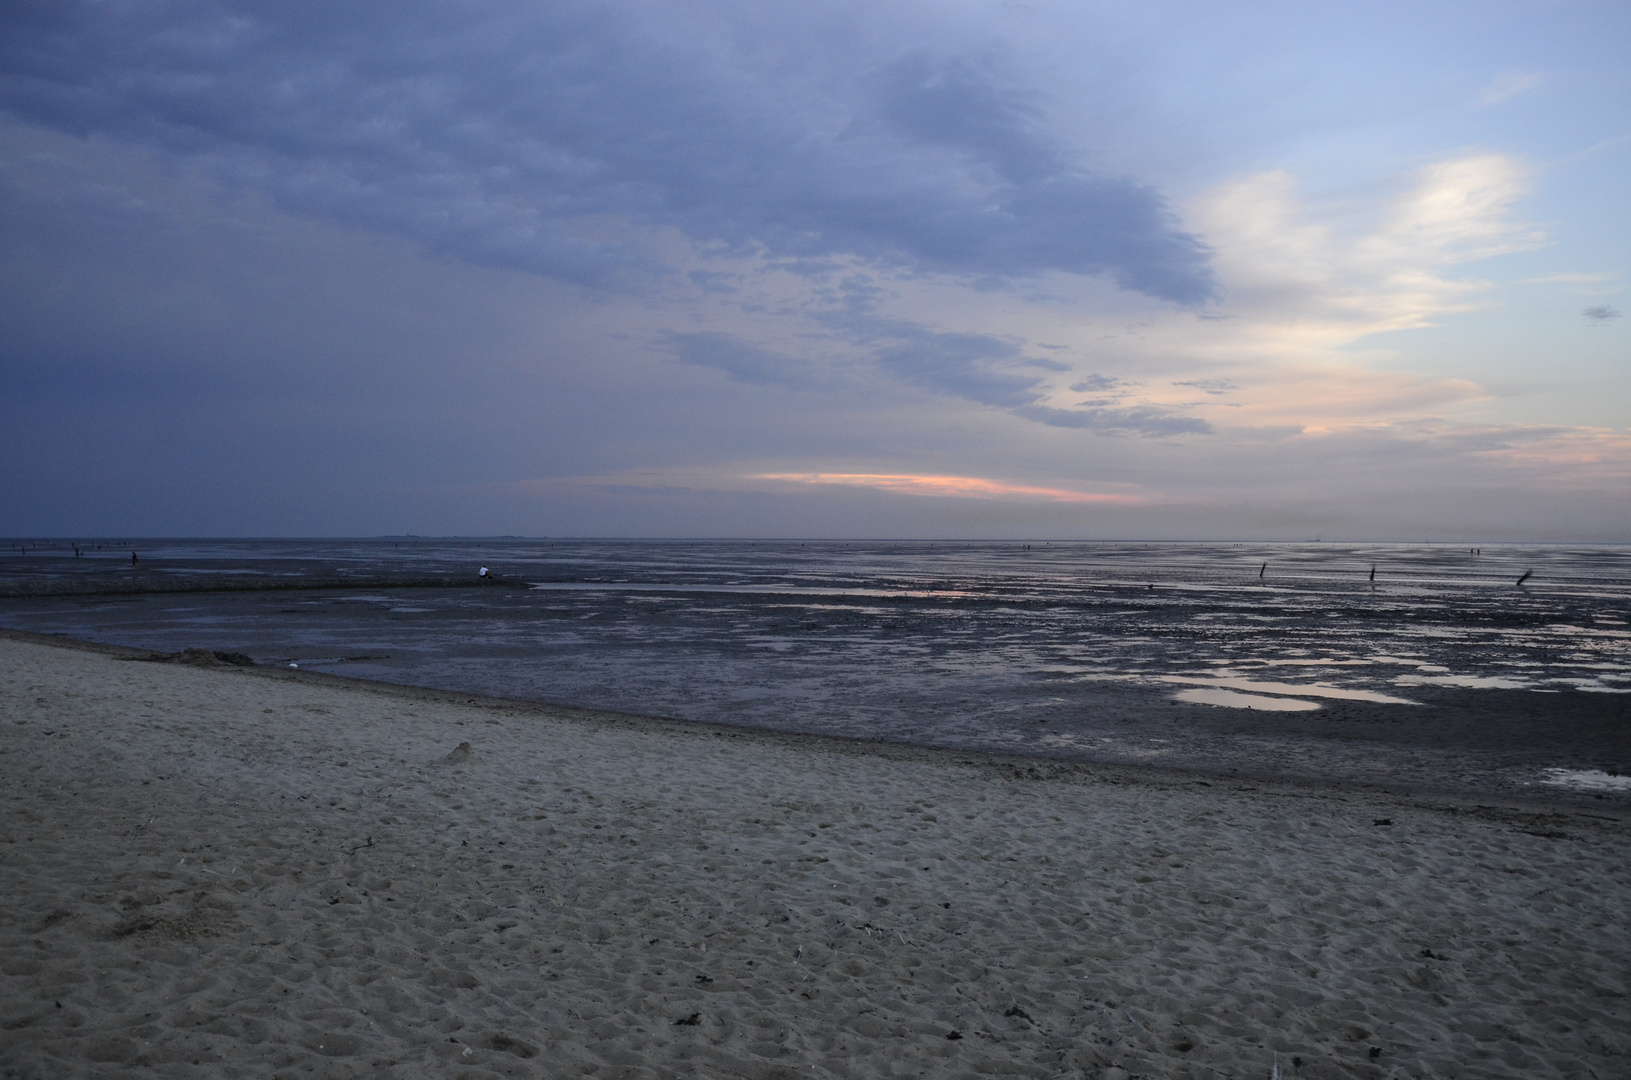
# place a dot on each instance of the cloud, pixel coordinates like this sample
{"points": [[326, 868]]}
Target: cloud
{"points": [[1300, 292], [965, 487], [1323, 397], [1606, 144], [978, 368], [1568, 279], [1095, 383], [1046, 364], [1214, 387], [739, 359], [561, 139], [957, 105], [1565, 457], [1297, 283], [1600, 313], [714, 281], [1579, 284], [968, 366], [1509, 86], [1143, 419], [1457, 211], [972, 367]]}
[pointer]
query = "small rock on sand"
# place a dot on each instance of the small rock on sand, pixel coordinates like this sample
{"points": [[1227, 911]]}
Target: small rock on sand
{"points": [[461, 755]]}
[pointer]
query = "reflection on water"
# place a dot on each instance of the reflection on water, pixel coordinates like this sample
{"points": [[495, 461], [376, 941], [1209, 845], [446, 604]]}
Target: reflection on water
{"points": [[1492, 682], [1256, 687], [1587, 779], [1233, 699]]}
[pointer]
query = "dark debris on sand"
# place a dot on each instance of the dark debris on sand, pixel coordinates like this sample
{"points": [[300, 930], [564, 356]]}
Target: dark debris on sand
{"points": [[209, 658]]}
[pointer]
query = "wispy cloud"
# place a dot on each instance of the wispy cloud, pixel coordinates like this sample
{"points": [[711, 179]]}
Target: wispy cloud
{"points": [[1568, 279], [1148, 420], [1214, 387], [1579, 284], [1600, 313], [963, 487], [1095, 383], [1569, 456], [1509, 86], [1297, 283], [741, 360]]}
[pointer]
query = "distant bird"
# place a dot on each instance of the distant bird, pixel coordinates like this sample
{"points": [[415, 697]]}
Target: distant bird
{"points": [[1262, 569], [1525, 577]]}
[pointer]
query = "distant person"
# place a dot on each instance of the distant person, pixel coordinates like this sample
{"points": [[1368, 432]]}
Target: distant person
{"points": [[132, 558]]}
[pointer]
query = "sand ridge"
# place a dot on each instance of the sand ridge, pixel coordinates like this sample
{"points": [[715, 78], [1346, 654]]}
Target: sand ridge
{"points": [[218, 872]]}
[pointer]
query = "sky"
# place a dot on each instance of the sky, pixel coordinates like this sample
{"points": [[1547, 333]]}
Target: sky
{"points": [[1142, 270]]}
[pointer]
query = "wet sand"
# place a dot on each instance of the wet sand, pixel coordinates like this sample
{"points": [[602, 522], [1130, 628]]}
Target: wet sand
{"points": [[221, 871]]}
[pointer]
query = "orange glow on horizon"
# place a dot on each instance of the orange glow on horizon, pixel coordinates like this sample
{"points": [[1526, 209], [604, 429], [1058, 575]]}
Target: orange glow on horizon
{"points": [[967, 487]]}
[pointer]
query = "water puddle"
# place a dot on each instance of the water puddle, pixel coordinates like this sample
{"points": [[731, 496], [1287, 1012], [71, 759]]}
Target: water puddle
{"points": [[1465, 682], [1315, 663], [1307, 690], [1234, 699], [1587, 780]]}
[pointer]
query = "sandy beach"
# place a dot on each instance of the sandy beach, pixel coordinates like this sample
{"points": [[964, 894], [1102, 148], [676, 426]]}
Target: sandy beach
{"points": [[211, 870]]}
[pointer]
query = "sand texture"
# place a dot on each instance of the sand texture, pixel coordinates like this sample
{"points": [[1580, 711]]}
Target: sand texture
{"points": [[217, 871]]}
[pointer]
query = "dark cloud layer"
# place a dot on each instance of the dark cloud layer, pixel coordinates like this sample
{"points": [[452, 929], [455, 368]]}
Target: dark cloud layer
{"points": [[741, 360], [553, 138], [973, 367], [1143, 419]]}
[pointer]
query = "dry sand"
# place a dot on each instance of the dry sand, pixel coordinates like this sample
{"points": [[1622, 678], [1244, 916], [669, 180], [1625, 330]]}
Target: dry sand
{"points": [[210, 871]]}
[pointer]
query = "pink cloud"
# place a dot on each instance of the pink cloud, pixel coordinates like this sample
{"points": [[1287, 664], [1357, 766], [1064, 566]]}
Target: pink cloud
{"points": [[966, 487]]}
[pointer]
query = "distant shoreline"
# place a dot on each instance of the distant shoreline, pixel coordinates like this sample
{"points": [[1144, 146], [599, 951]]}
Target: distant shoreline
{"points": [[133, 586]]}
